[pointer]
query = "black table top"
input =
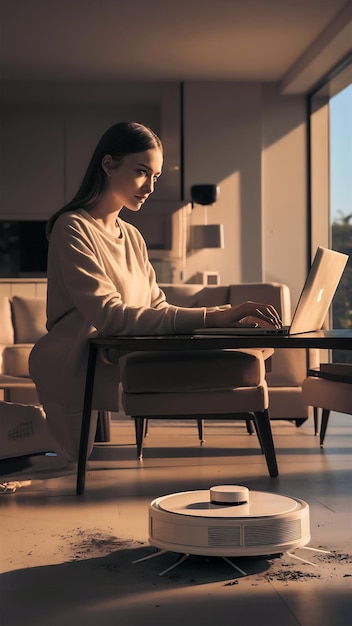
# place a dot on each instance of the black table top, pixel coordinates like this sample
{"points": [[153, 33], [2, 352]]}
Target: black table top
{"points": [[326, 339]]}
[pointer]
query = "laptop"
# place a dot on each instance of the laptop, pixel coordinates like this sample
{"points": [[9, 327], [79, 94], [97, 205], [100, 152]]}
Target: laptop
{"points": [[313, 304]]}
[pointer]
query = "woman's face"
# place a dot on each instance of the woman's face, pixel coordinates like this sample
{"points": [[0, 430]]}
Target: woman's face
{"points": [[132, 181]]}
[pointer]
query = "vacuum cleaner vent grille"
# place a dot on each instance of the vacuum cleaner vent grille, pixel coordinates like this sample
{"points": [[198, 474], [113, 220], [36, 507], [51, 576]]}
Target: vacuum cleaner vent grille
{"points": [[276, 532], [189, 522], [218, 536]]}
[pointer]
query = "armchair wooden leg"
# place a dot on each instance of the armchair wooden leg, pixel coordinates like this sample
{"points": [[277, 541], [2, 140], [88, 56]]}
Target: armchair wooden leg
{"points": [[249, 426], [324, 424], [200, 424], [140, 424], [263, 427], [316, 419]]}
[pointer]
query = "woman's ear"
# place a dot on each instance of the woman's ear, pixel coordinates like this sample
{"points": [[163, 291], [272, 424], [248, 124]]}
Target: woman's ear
{"points": [[106, 164]]}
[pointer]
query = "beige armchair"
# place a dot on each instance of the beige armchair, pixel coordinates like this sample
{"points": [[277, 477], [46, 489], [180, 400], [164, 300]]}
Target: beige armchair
{"points": [[288, 368], [219, 385], [216, 384], [329, 388]]}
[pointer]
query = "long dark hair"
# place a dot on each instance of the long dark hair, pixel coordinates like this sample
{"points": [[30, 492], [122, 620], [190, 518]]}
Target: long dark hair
{"points": [[118, 141]]}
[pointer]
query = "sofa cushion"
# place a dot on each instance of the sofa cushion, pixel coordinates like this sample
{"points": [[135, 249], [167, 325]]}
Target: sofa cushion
{"points": [[15, 360], [6, 327], [273, 293], [29, 318], [212, 296], [191, 371], [196, 295]]}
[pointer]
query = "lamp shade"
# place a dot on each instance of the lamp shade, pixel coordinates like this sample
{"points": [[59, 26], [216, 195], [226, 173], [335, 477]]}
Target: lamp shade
{"points": [[207, 236], [204, 194]]}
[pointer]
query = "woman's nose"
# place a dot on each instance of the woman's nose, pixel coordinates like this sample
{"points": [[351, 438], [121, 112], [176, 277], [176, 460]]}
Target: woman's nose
{"points": [[148, 185]]}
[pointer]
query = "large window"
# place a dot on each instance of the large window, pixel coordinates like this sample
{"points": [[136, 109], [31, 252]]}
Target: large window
{"points": [[340, 141], [330, 111]]}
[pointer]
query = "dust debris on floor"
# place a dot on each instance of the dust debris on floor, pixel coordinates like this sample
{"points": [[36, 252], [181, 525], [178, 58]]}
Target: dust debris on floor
{"points": [[286, 567]]}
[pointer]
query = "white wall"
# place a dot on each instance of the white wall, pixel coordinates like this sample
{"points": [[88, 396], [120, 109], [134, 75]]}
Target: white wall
{"points": [[223, 146], [284, 189], [250, 141], [245, 137]]}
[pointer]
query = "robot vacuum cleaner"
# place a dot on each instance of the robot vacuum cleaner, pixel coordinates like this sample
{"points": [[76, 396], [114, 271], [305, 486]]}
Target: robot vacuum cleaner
{"points": [[228, 521]]}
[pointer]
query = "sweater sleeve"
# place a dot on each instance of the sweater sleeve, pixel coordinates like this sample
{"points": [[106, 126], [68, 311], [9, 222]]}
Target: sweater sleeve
{"points": [[85, 279]]}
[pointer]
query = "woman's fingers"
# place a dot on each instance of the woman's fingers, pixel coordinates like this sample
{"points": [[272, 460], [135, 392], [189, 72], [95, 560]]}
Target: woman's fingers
{"points": [[250, 313], [263, 313], [270, 315]]}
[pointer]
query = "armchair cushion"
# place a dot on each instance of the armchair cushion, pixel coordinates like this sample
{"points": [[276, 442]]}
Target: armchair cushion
{"points": [[197, 403], [327, 394], [192, 371]]}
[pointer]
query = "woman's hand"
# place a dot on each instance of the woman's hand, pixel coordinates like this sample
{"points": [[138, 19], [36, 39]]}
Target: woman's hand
{"points": [[246, 314]]}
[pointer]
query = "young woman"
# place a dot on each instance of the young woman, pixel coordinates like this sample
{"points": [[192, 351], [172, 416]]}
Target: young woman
{"points": [[100, 281]]}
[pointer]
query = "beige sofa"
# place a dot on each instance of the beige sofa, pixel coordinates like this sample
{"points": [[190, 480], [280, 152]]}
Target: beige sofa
{"points": [[22, 322]]}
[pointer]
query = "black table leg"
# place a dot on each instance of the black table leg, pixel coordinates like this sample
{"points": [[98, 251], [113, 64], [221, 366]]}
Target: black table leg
{"points": [[86, 416], [262, 422]]}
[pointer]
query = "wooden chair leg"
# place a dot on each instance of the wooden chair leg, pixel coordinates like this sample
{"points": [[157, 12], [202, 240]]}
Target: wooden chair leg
{"points": [[200, 424], [249, 426], [140, 426], [316, 419], [324, 424], [262, 422]]}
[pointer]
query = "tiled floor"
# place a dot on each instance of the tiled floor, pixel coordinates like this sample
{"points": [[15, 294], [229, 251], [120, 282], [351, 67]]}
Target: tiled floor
{"points": [[68, 560]]}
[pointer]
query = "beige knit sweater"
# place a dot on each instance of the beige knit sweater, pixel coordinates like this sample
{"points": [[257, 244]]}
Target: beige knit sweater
{"points": [[97, 285]]}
